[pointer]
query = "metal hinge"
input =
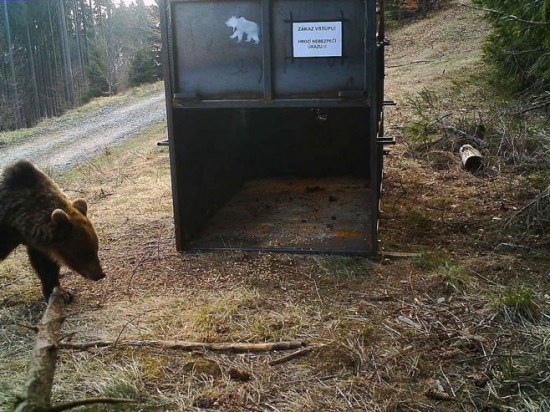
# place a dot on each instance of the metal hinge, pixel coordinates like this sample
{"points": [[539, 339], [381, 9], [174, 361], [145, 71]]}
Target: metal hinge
{"points": [[385, 140]]}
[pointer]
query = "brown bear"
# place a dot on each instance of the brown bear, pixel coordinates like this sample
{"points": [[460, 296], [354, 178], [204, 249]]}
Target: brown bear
{"points": [[35, 212]]}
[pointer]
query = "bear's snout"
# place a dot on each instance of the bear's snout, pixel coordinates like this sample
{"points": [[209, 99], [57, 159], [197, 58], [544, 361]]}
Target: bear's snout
{"points": [[94, 274], [91, 270], [99, 276]]}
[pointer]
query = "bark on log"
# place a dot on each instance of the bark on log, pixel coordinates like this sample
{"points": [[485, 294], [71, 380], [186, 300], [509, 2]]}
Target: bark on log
{"points": [[235, 347], [38, 386], [472, 159]]}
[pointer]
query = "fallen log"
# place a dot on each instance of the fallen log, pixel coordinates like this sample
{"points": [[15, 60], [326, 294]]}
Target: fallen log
{"points": [[235, 347], [38, 386], [39, 382]]}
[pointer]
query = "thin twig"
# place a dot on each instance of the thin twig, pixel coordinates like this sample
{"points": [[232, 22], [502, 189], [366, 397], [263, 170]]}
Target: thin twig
{"points": [[407, 64], [290, 356], [538, 106], [448, 382], [75, 404], [130, 322], [485, 278], [29, 327], [466, 136]]}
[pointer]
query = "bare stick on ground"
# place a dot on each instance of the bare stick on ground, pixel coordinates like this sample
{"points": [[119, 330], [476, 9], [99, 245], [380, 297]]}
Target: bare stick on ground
{"points": [[290, 356], [236, 347]]}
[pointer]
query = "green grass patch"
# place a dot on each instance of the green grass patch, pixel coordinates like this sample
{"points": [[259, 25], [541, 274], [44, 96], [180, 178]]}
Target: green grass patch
{"points": [[516, 304], [420, 221], [343, 266], [6, 273], [430, 261], [454, 278]]}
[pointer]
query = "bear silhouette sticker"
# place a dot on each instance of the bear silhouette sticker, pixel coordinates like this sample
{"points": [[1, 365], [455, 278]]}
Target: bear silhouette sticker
{"points": [[242, 27]]}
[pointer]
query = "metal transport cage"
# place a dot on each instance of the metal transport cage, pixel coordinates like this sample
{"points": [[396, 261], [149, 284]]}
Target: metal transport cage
{"points": [[275, 123]]}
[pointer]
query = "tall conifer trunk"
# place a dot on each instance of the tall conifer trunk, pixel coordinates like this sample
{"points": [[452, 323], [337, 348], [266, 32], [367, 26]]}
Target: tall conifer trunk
{"points": [[66, 51], [15, 89]]}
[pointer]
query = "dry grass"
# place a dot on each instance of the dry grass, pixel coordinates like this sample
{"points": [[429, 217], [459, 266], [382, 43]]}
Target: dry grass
{"points": [[462, 327]]}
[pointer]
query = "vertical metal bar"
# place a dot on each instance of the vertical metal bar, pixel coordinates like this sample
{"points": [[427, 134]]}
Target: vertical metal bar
{"points": [[291, 38], [342, 57], [380, 73], [372, 82], [167, 49], [267, 48], [381, 44]]}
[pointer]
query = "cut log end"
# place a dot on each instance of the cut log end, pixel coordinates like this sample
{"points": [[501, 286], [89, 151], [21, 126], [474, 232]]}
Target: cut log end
{"points": [[472, 160]]}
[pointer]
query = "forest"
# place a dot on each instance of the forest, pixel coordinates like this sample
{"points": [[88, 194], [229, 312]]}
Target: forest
{"points": [[58, 54]]}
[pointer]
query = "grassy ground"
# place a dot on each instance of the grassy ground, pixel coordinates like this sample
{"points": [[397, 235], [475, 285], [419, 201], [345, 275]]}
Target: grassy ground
{"points": [[458, 326]]}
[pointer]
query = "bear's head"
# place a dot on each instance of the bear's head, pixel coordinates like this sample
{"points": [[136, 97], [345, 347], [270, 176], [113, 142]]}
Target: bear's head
{"points": [[232, 22], [75, 242]]}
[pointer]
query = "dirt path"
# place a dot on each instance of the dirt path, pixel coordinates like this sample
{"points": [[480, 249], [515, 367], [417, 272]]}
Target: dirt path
{"points": [[70, 140]]}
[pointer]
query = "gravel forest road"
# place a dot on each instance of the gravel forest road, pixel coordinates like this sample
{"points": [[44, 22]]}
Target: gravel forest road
{"points": [[67, 141]]}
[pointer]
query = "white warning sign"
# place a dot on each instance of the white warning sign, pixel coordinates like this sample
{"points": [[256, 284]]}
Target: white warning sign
{"points": [[323, 39]]}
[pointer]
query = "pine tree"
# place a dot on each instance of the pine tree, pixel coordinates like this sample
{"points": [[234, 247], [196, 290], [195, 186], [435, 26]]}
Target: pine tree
{"points": [[519, 46]]}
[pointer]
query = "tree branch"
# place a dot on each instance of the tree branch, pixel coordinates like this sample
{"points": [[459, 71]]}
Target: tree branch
{"points": [[466, 136], [235, 347], [536, 107], [75, 404], [507, 16]]}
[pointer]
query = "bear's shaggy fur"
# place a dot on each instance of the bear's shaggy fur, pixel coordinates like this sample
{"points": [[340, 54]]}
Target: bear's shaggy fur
{"points": [[34, 212]]}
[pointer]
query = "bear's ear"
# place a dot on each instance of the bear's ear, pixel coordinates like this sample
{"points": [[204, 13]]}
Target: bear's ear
{"points": [[60, 219], [81, 206]]}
